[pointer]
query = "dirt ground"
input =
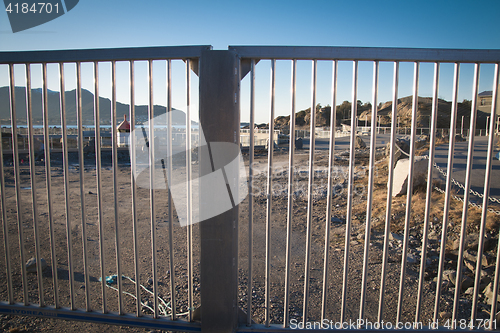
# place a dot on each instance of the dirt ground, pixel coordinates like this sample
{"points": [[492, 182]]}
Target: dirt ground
{"points": [[337, 229]]}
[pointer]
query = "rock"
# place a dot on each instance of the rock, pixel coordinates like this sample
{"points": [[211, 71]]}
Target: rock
{"points": [[467, 282], [31, 265], [412, 259], [470, 265], [401, 149], [336, 220], [488, 293], [420, 142], [469, 256], [400, 182], [484, 282], [445, 315], [450, 275], [469, 291], [470, 243], [394, 236], [434, 235], [359, 143]]}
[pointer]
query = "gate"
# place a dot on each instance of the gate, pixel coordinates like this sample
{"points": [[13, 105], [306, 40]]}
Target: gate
{"points": [[344, 253]]}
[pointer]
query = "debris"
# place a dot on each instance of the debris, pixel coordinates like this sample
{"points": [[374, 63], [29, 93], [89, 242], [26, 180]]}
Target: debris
{"points": [[112, 279], [336, 220], [31, 265], [394, 236]]}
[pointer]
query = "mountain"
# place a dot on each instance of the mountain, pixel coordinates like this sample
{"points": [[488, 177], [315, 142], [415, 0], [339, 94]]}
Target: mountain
{"points": [[141, 111], [424, 111]]}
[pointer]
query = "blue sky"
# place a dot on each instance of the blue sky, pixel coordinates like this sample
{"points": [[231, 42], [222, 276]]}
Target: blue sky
{"points": [[384, 23]]}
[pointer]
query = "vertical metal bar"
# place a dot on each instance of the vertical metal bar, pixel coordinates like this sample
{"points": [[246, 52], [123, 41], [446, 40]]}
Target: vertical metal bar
{"points": [[448, 190], [309, 191], [486, 195], [48, 177], [133, 189], [331, 160], [270, 150], [250, 191], [470, 159], [115, 185], [463, 230], [189, 192], [390, 178], [36, 231], [15, 157], [170, 200], [425, 236], [5, 225], [151, 186], [100, 221], [373, 147], [286, 317], [354, 110], [409, 191], [69, 241]]}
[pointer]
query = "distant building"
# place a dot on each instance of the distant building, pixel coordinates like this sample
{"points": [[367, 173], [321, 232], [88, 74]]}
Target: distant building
{"points": [[484, 103], [123, 133], [485, 98]]}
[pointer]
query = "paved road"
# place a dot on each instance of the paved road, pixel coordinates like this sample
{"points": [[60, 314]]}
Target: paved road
{"points": [[478, 165], [441, 158], [343, 142]]}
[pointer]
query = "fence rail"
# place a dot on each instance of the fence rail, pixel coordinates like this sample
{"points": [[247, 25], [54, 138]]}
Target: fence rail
{"points": [[321, 237]]}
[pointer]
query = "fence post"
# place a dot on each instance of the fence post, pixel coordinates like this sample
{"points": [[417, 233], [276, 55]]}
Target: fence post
{"points": [[219, 80]]}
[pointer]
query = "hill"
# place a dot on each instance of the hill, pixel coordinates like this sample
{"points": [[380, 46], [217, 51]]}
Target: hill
{"points": [[302, 118], [424, 113], [141, 111]]}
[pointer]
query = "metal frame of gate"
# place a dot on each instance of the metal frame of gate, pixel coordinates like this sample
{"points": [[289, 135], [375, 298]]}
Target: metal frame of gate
{"points": [[220, 74], [190, 55]]}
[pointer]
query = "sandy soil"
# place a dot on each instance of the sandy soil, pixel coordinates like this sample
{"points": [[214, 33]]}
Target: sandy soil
{"points": [[278, 251]]}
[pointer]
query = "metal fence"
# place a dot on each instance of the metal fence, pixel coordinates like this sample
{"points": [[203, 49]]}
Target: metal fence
{"points": [[316, 245], [107, 260]]}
